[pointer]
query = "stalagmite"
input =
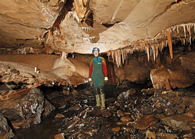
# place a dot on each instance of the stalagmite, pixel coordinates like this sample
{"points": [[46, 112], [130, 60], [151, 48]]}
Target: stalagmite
{"points": [[170, 43], [63, 56]]}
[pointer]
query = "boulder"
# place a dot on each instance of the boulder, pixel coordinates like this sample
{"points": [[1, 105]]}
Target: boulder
{"points": [[178, 122], [25, 108], [144, 122], [167, 78], [5, 131]]}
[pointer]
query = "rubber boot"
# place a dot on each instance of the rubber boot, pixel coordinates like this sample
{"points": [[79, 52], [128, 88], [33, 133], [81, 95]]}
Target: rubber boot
{"points": [[103, 102], [97, 100]]}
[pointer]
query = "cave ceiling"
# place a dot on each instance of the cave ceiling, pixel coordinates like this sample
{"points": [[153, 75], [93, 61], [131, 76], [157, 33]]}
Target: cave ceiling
{"points": [[76, 26]]}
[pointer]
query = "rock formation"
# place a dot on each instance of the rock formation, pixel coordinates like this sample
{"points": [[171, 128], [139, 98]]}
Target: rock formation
{"points": [[47, 44]]}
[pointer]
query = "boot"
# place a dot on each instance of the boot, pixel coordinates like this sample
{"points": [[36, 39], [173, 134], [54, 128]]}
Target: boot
{"points": [[103, 101], [97, 100]]}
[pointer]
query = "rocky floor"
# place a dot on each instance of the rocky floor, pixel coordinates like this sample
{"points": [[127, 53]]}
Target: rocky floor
{"points": [[133, 111]]}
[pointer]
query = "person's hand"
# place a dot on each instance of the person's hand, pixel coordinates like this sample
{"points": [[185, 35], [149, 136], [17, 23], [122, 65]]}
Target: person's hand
{"points": [[90, 82], [105, 79]]}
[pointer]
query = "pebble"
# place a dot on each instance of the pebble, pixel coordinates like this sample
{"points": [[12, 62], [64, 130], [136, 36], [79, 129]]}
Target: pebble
{"points": [[116, 129], [59, 136], [120, 113], [59, 116]]}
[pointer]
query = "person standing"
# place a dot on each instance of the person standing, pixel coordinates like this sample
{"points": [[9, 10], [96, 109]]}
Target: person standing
{"points": [[98, 75]]}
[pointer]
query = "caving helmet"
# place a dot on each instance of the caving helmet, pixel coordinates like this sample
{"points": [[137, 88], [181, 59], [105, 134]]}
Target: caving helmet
{"points": [[95, 49]]}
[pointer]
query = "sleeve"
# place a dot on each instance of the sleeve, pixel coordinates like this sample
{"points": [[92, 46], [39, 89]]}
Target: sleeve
{"points": [[90, 69], [104, 68]]}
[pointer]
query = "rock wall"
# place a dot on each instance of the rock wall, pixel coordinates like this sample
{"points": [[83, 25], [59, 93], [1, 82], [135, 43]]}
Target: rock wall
{"points": [[25, 108]]}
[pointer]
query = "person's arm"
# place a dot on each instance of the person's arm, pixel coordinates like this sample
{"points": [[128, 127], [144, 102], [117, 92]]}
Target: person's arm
{"points": [[104, 69], [90, 70]]}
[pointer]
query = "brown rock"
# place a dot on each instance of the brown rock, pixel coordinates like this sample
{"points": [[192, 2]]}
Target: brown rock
{"points": [[106, 114], [75, 92], [167, 135], [150, 135], [116, 129], [178, 122], [59, 116], [167, 78], [125, 119], [76, 107], [120, 113], [144, 122], [59, 136], [88, 92]]}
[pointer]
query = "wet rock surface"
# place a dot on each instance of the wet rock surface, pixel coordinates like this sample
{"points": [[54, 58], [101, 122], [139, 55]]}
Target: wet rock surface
{"points": [[125, 116]]}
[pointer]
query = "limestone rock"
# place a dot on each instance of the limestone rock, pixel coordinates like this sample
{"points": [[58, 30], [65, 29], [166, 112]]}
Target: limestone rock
{"points": [[48, 108], [59, 116], [25, 109], [150, 135], [144, 122], [167, 135], [125, 95], [59, 136], [178, 122], [5, 131], [116, 129], [167, 78]]}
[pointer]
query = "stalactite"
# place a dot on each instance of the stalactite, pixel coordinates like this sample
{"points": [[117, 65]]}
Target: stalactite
{"points": [[184, 30], [184, 41], [119, 58], [148, 52], [154, 52], [189, 31], [162, 45], [177, 29], [156, 49], [113, 56], [170, 43], [123, 56]]}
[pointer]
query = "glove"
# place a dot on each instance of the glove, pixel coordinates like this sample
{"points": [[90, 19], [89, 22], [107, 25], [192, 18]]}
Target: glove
{"points": [[105, 79], [90, 82]]}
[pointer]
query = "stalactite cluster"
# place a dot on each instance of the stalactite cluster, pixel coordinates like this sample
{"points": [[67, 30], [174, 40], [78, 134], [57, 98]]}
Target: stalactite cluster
{"points": [[183, 32]]}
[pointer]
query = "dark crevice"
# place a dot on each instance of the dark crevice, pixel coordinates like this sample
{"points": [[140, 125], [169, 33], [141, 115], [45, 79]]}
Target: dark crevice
{"points": [[62, 14]]}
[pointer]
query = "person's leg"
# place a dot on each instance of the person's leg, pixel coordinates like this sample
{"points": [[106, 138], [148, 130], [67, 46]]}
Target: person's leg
{"points": [[102, 98], [97, 97]]}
